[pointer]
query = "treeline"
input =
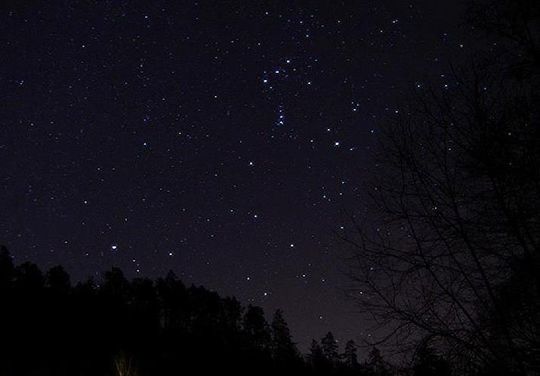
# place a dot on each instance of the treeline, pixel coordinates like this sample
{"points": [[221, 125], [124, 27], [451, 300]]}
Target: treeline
{"points": [[148, 327]]}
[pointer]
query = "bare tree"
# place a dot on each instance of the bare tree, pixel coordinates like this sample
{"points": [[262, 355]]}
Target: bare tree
{"points": [[456, 216]]}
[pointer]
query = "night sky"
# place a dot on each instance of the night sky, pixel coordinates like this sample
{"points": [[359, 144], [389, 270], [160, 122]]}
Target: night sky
{"points": [[221, 140]]}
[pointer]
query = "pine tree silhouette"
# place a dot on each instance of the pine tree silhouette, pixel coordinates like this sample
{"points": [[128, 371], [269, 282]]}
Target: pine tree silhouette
{"points": [[349, 356], [283, 347], [330, 348], [256, 327]]}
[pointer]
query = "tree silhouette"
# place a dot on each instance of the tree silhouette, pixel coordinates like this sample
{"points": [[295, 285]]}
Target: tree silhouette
{"points": [[232, 311], [349, 355], [428, 363], [330, 348], [456, 205], [256, 327], [28, 277], [283, 347], [515, 24], [58, 279], [172, 295], [316, 356], [115, 283], [376, 364]]}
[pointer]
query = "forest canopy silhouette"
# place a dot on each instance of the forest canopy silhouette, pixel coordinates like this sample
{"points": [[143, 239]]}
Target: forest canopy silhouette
{"points": [[146, 327]]}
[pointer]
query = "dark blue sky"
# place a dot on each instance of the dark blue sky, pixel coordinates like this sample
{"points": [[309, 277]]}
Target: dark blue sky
{"points": [[221, 140]]}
